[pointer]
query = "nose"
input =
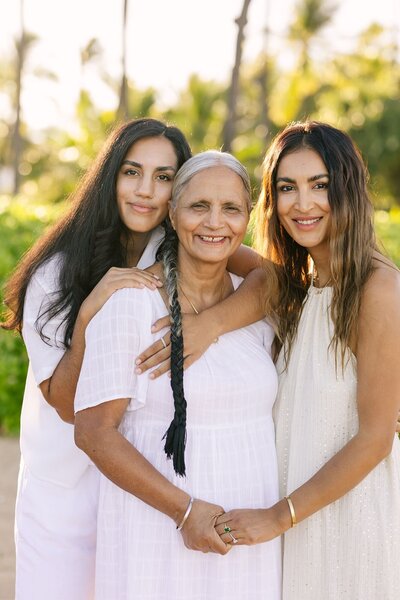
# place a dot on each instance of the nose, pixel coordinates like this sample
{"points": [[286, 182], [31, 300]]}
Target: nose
{"points": [[145, 187], [214, 218], [305, 201]]}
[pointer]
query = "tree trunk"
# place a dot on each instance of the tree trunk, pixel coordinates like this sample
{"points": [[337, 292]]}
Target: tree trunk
{"points": [[230, 123], [122, 112], [16, 142]]}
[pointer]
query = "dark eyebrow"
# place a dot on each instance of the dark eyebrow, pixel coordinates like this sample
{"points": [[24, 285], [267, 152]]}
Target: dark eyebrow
{"points": [[313, 178], [132, 163]]}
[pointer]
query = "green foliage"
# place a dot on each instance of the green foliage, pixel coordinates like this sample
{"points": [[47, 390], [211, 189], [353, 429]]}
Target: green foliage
{"points": [[387, 226], [21, 223], [357, 91]]}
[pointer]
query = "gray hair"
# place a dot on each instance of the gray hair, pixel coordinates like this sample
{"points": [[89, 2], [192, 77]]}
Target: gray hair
{"points": [[175, 436], [207, 160]]}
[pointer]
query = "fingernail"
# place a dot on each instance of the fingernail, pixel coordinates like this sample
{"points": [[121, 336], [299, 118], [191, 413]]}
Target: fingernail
{"points": [[153, 328], [138, 361], [138, 371], [151, 376]]}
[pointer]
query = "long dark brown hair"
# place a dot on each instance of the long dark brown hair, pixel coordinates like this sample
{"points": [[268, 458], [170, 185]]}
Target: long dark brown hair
{"points": [[90, 237], [352, 237]]}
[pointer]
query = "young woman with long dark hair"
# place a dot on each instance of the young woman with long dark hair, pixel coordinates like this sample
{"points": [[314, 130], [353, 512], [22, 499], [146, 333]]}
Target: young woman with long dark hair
{"points": [[111, 231]]}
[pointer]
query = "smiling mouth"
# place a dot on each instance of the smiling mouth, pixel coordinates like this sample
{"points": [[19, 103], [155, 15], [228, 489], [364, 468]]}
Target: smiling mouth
{"points": [[307, 221], [212, 239]]}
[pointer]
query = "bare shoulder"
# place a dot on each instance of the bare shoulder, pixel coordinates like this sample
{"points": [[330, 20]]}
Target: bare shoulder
{"points": [[382, 290]]}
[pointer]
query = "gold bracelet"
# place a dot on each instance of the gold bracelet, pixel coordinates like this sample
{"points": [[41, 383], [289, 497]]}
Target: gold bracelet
{"points": [[186, 515], [292, 511]]}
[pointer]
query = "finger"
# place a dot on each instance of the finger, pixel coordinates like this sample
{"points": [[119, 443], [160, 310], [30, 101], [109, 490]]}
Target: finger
{"points": [[231, 539], [161, 360], [154, 360], [223, 528], [223, 519], [138, 278], [155, 353], [130, 270], [161, 324], [119, 282], [161, 369], [189, 360], [218, 545]]}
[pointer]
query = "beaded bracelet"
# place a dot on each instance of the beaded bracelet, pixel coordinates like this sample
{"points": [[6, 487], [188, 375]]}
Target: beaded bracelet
{"points": [[292, 511], [186, 515]]}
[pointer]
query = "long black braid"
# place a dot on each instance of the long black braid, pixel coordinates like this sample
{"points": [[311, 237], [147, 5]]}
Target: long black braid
{"points": [[175, 436]]}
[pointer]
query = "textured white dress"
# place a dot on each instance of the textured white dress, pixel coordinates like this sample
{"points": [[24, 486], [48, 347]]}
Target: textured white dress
{"points": [[350, 550], [230, 457]]}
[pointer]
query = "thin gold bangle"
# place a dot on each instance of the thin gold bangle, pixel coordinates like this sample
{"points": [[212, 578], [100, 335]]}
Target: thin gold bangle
{"points": [[292, 511]]}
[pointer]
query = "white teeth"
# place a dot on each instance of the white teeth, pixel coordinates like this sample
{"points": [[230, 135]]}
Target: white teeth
{"points": [[308, 221], [211, 239]]}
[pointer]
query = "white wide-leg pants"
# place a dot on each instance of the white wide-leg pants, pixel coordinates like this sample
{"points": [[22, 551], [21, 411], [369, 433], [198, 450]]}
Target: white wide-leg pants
{"points": [[55, 538]]}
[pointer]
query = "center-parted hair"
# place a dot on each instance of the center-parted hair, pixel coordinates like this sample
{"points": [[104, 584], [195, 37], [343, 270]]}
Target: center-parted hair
{"points": [[352, 239], [175, 436]]}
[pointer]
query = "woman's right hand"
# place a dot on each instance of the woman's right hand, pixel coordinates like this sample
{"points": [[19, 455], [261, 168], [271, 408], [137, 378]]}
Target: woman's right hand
{"points": [[115, 279], [199, 532]]}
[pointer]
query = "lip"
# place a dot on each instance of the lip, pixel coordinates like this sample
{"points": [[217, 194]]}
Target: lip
{"points": [[307, 223], [212, 240], [140, 208]]}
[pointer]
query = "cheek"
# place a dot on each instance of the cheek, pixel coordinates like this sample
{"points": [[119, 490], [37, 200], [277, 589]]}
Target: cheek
{"points": [[282, 206]]}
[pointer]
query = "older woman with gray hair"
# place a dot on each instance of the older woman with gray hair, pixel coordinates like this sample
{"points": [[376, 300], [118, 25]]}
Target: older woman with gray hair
{"points": [[215, 423]]}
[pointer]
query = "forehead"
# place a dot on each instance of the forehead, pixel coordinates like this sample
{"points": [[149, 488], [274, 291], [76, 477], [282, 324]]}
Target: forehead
{"points": [[216, 184], [301, 162], [157, 151]]}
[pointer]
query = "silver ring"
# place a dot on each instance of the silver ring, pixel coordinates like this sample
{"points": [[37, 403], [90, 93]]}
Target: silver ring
{"points": [[163, 342], [234, 540]]}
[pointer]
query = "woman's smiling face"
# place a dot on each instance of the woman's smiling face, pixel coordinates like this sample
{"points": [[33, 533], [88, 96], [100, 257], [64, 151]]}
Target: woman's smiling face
{"points": [[302, 198], [144, 183], [212, 214]]}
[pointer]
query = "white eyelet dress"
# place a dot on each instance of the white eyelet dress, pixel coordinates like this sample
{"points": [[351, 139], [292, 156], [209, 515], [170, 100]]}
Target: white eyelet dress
{"points": [[350, 550], [230, 457]]}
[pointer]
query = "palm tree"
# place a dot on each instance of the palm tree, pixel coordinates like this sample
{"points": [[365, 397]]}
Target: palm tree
{"points": [[16, 141], [310, 17], [230, 123], [122, 111]]}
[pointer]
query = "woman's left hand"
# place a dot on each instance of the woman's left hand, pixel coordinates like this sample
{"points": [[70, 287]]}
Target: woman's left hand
{"points": [[197, 337], [249, 526]]}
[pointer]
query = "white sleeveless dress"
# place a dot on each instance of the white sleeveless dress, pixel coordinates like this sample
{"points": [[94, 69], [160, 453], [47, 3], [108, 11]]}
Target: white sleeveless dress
{"points": [[350, 550], [230, 456]]}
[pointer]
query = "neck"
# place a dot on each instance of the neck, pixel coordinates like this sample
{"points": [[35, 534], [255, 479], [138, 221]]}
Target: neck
{"points": [[135, 245], [322, 266], [203, 283]]}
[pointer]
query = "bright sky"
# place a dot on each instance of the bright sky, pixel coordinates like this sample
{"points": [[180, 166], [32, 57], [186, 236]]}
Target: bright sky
{"points": [[167, 41]]}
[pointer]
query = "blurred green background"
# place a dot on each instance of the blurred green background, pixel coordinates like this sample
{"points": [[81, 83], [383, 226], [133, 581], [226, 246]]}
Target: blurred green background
{"points": [[357, 91]]}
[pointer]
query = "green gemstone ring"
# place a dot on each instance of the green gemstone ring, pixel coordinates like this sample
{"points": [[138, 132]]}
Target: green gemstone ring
{"points": [[227, 529]]}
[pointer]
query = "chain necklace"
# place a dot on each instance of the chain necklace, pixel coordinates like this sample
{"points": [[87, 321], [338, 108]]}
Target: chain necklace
{"points": [[315, 278], [195, 310]]}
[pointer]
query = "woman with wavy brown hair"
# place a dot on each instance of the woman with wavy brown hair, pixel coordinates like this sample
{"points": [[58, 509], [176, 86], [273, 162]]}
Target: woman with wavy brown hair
{"points": [[339, 381]]}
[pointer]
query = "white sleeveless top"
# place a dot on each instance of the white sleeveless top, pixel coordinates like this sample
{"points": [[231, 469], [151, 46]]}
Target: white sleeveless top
{"points": [[351, 548], [47, 442]]}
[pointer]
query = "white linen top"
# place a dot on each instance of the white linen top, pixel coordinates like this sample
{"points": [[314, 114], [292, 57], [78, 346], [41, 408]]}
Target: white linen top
{"points": [[47, 442]]}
